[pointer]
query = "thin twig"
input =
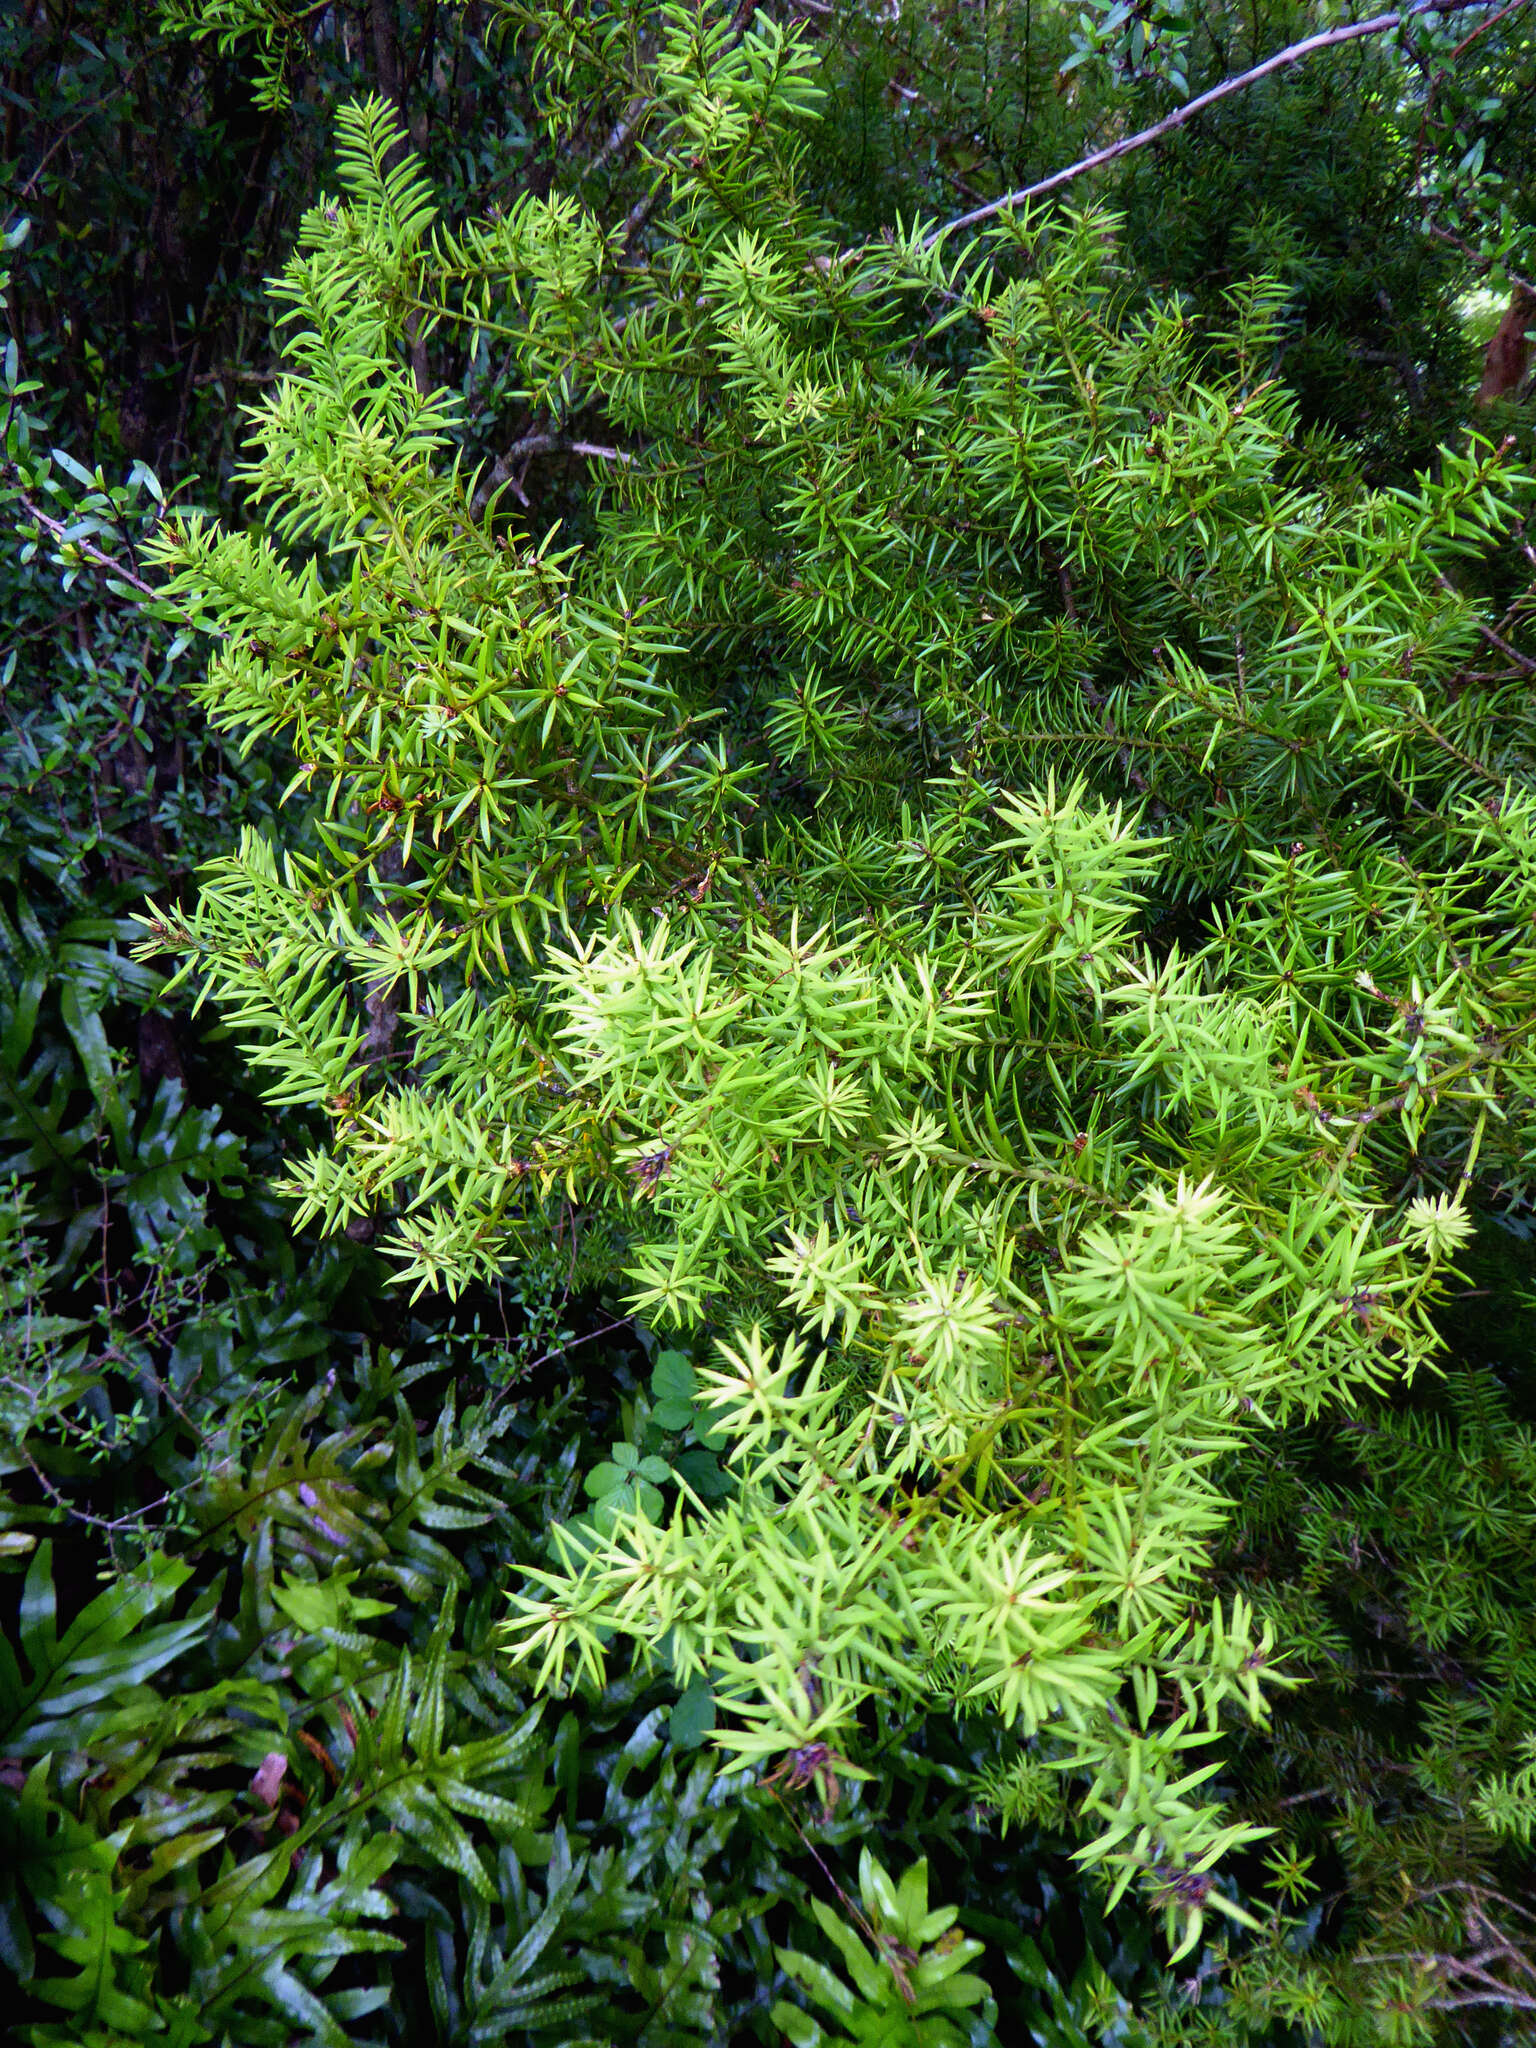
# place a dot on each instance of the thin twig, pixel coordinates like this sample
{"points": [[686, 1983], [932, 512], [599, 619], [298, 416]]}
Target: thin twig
{"points": [[62, 534], [80, 120], [561, 1351], [79, 1514], [1483, 28], [1480, 262], [1349, 32], [1521, 661]]}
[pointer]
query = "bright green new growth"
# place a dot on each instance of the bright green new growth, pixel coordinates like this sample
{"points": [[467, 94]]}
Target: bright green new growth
{"points": [[900, 1994], [751, 897]]}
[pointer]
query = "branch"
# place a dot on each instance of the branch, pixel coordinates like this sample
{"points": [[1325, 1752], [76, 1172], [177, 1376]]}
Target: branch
{"points": [[62, 534], [619, 137], [79, 122], [1483, 28], [522, 453], [1480, 263], [555, 444], [1350, 32], [207, 377], [1521, 661]]}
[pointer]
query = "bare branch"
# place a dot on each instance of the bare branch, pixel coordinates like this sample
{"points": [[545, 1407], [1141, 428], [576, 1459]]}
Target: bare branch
{"points": [[61, 533], [1348, 32], [1521, 661], [619, 137], [556, 444]]}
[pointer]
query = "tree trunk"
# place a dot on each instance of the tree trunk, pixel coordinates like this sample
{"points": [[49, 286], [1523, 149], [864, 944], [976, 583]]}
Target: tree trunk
{"points": [[1508, 355]]}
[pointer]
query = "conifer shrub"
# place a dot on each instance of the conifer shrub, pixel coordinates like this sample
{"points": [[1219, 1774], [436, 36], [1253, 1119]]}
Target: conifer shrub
{"points": [[994, 889]]}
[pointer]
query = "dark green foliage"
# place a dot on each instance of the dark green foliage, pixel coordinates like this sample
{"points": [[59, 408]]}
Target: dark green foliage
{"points": [[328, 1754], [939, 107], [162, 190], [262, 1900], [1401, 1549], [298, 1791], [1374, 206], [1309, 178]]}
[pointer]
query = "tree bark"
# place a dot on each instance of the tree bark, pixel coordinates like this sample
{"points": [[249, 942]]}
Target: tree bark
{"points": [[1507, 359]]}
